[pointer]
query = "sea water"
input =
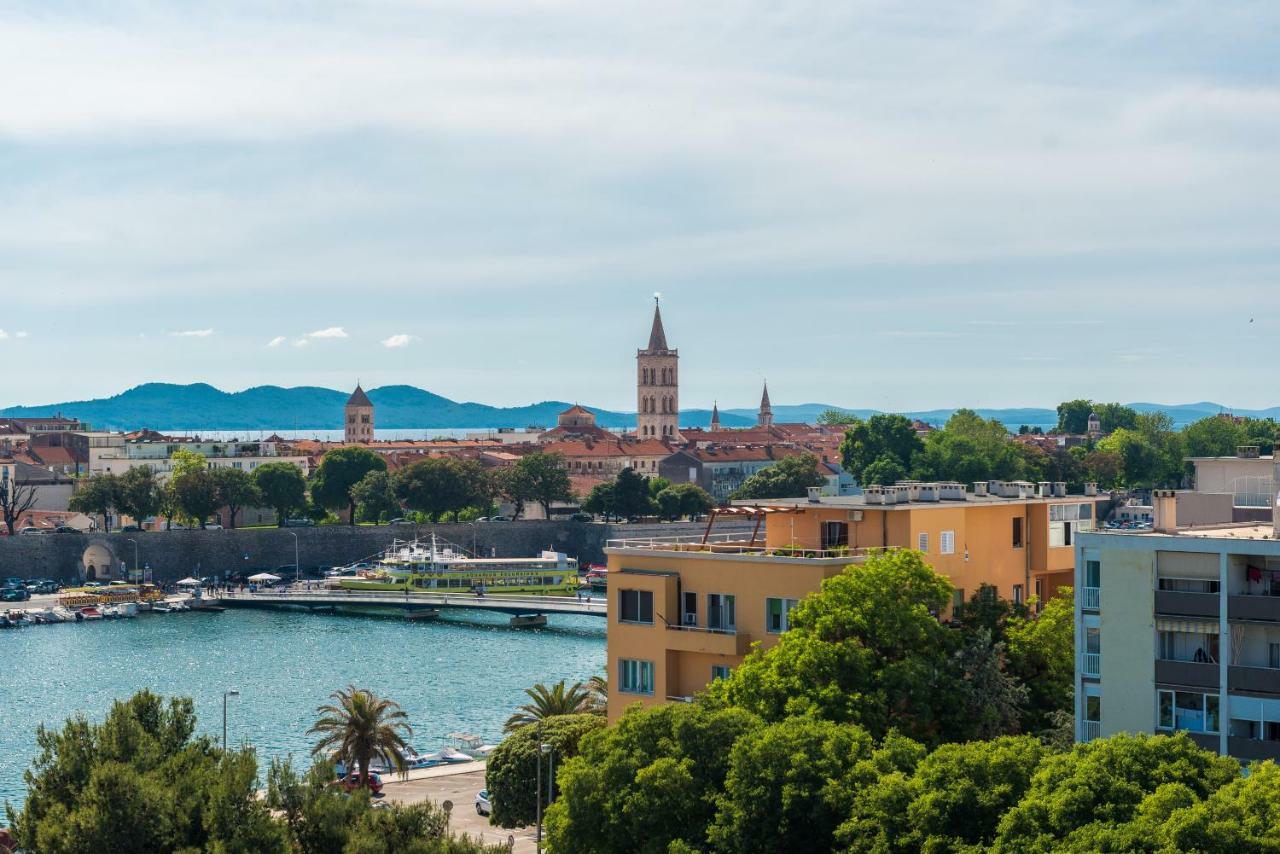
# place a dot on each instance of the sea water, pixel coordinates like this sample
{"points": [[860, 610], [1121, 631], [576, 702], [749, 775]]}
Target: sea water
{"points": [[465, 672]]}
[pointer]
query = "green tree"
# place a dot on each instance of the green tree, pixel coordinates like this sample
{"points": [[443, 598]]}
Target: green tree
{"points": [[544, 702], [1086, 800], [540, 478], [657, 484], [684, 499], [1241, 816], [139, 494], [631, 495], [1139, 457], [510, 773], [778, 794], [192, 488], [1105, 468], [141, 781], [1115, 416], [836, 418], [1215, 436], [866, 650], [95, 495], [1041, 654], [790, 477], [600, 500], [866, 442], [360, 726], [1073, 416], [885, 471], [338, 473], [649, 781], [436, 486], [952, 801], [375, 497], [283, 488], [236, 490], [319, 816], [969, 448]]}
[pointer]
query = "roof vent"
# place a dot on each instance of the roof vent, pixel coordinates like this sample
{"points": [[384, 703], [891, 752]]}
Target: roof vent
{"points": [[1247, 452], [980, 488], [873, 494], [1044, 489], [1091, 489], [1059, 489], [926, 492], [815, 494], [951, 491]]}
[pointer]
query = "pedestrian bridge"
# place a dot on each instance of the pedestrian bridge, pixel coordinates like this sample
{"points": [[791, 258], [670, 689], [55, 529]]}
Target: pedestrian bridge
{"points": [[525, 610]]}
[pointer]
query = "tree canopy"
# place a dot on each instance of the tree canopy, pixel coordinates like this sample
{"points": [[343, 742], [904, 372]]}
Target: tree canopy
{"points": [[510, 774], [283, 488], [883, 439], [790, 477], [337, 475]]}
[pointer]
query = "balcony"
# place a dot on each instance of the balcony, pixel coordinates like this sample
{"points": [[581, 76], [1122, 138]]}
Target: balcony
{"points": [[1249, 749], [1187, 604], [1090, 730], [1091, 665], [1090, 598], [709, 641], [1206, 740], [1258, 680], [1262, 608], [1194, 674], [734, 544]]}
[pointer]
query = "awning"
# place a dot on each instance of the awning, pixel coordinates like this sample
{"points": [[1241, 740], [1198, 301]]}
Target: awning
{"points": [[1195, 627]]}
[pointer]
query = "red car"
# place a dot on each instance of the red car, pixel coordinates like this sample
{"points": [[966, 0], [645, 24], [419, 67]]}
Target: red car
{"points": [[351, 782]]}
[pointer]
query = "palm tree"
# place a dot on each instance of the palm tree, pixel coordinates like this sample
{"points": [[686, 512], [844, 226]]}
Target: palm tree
{"points": [[549, 702], [598, 685], [360, 726]]}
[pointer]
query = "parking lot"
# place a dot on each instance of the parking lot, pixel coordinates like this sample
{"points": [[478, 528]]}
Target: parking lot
{"points": [[460, 788]]}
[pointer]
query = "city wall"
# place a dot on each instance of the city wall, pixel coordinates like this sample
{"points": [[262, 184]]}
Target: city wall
{"points": [[172, 555]]}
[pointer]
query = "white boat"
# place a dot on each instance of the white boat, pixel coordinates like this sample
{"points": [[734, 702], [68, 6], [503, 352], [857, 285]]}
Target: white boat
{"points": [[161, 608], [472, 745], [110, 612], [453, 755], [128, 609], [63, 614]]}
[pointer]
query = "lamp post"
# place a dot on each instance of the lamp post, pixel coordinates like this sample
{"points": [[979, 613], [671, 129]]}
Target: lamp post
{"points": [[542, 748], [297, 568], [225, 694], [135, 557]]}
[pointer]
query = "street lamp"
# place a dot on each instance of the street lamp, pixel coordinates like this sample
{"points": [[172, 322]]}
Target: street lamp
{"points": [[542, 748], [135, 557], [297, 568], [225, 694]]}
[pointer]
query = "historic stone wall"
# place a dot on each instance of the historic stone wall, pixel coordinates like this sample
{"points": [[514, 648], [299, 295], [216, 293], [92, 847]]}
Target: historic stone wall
{"points": [[176, 554]]}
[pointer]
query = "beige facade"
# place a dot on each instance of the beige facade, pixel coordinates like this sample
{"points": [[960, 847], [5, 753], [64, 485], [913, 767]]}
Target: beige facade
{"points": [[1248, 478], [358, 421]]}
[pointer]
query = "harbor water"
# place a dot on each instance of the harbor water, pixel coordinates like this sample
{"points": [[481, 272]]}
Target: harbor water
{"points": [[465, 672]]}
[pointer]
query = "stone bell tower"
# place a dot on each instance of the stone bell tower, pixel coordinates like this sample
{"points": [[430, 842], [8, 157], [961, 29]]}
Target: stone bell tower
{"points": [[359, 418], [658, 385]]}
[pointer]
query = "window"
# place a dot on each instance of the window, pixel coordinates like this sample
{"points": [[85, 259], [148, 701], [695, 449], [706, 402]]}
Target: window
{"points": [[1188, 646], [1273, 656], [719, 671], [635, 677], [1017, 594], [635, 606], [778, 614], [689, 609], [1189, 585], [957, 598], [1093, 708], [721, 612], [1066, 520], [1017, 532], [1093, 573], [1187, 710], [922, 542], [835, 535], [1092, 640], [947, 543]]}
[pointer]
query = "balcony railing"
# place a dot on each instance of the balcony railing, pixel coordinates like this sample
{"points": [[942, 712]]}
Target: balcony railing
{"points": [[1090, 597], [1092, 665], [733, 544], [1090, 730]]}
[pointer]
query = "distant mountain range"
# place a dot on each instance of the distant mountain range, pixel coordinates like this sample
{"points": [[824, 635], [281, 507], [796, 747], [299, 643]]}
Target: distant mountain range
{"points": [[164, 406]]}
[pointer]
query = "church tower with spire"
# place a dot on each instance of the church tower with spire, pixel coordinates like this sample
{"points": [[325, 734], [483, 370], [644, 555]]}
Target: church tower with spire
{"points": [[657, 385], [765, 416], [715, 416], [359, 418]]}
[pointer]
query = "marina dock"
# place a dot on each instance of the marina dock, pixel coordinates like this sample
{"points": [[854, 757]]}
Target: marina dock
{"points": [[524, 610]]}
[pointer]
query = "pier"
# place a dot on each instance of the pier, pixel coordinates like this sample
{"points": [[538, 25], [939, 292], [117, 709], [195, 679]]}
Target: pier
{"points": [[524, 610]]}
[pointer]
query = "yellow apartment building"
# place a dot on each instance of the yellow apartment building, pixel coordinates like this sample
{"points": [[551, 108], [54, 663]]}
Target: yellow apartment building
{"points": [[684, 611]]}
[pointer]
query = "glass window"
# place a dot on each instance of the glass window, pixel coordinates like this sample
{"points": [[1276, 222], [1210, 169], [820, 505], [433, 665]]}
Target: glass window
{"points": [[1017, 532], [778, 614], [1017, 594], [635, 606], [835, 535], [1166, 710], [947, 543], [922, 542], [635, 677], [690, 608], [719, 671], [1273, 656], [721, 612], [1093, 708], [1211, 713], [1093, 573], [1092, 640]]}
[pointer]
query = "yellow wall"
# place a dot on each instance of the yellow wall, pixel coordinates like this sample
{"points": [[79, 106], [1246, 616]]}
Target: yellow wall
{"points": [[1128, 641], [683, 659]]}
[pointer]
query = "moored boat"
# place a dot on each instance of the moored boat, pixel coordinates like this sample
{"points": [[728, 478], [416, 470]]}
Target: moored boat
{"points": [[89, 612]]}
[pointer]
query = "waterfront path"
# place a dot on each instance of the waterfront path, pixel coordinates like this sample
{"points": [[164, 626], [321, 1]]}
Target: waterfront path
{"points": [[459, 784], [520, 606]]}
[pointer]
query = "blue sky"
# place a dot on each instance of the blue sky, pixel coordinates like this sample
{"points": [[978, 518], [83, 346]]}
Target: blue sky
{"points": [[871, 203]]}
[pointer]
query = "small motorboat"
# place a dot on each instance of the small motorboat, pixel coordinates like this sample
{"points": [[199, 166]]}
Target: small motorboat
{"points": [[7, 623], [110, 612], [89, 612], [63, 614], [128, 609], [161, 608], [454, 756], [472, 745]]}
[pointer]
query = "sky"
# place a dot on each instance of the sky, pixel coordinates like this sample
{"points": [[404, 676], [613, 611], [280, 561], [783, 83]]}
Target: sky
{"points": [[873, 204]]}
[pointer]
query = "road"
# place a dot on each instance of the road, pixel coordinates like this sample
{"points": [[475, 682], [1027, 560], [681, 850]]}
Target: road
{"points": [[460, 788]]}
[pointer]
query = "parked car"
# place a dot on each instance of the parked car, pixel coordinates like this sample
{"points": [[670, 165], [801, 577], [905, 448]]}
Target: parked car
{"points": [[213, 526], [13, 581], [131, 529], [14, 594], [495, 519], [297, 523], [351, 782], [48, 587], [484, 806], [67, 529], [581, 517], [30, 531]]}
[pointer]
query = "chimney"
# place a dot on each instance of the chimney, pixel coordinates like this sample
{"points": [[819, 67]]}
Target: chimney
{"points": [[1059, 489], [979, 488], [815, 494], [1044, 489], [1165, 504], [1091, 489]]}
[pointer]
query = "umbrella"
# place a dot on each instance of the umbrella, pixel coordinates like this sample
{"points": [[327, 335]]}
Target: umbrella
{"points": [[264, 576], [189, 582]]}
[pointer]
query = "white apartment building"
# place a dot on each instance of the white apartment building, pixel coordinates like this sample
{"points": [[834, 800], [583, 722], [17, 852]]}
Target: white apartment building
{"points": [[158, 456], [1178, 629]]}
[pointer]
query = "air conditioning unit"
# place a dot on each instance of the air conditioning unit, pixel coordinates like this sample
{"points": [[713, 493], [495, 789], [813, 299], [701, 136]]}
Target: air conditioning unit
{"points": [[855, 515]]}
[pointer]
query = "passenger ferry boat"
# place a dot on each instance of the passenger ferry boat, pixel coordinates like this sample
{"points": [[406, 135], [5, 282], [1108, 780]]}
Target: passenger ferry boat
{"points": [[440, 567]]}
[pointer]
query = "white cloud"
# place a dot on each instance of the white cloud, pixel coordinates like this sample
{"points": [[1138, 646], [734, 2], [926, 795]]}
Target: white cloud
{"points": [[3, 335], [331, 332], [400, 340], [277, 341], [21, 333], [192, 333], [301, 342]]}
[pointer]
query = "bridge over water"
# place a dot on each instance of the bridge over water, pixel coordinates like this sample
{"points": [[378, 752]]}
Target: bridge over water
{"points": [[524, 610]]}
